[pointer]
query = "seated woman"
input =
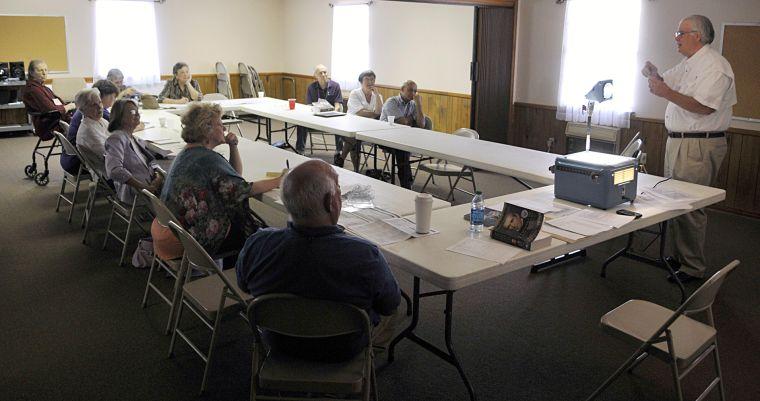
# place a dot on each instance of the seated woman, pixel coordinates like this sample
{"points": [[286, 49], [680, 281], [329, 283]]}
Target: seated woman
{"points": [[38, 98], [116, 77], [128, 163], [204, 191], [93, 130], [182, 88], [364, 101], [107, 95]]}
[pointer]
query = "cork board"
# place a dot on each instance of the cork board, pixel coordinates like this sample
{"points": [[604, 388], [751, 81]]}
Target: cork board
{"points": [[26, 38], [741, 47]]}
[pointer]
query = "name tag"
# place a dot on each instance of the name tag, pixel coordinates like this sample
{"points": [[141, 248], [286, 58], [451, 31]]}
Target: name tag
{"points": [[57, 102]]}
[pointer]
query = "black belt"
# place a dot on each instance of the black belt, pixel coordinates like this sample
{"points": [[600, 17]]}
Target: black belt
{"points": [[696, 134]]}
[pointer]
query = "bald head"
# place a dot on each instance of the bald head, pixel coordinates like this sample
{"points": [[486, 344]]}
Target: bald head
{"points": [[311, 194], [321, 75]]}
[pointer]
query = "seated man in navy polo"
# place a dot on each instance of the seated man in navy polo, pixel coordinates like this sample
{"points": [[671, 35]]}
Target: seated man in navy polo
{"points": [[406, 109], [323, 88], [313, 257]]}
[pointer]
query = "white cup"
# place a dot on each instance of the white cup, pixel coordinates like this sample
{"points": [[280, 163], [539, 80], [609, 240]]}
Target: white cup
{"points": [[423, 207], [391, 119], [315, 109], [261, 94], [162, 122]]}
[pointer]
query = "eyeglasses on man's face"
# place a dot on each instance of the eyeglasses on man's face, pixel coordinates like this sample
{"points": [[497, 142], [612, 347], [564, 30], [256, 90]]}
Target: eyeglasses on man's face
{"points": [[678, 34]]}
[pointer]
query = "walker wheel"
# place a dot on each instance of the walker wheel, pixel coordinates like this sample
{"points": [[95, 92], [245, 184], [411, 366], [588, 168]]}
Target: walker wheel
{"points": [[41, 179], [30, 170]]}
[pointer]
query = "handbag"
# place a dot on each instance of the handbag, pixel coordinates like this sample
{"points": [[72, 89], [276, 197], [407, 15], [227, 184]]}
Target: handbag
{"points": [[143, 256]]}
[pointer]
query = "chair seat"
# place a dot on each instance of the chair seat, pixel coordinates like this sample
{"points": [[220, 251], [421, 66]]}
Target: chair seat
{"points": [[444, 169], [285, 373], [204, 293], [639, 320]]}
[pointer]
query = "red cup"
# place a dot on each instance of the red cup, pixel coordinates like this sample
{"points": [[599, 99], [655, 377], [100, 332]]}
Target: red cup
{"points": [[292, 104]]}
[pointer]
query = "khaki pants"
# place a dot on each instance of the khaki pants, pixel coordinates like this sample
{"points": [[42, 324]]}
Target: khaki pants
{"points": [[696, 161], [385, 331]]}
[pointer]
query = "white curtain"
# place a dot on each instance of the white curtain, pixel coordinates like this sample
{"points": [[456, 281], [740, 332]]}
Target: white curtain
{"points": [[350, 44], [601, 41], [125, 38]]}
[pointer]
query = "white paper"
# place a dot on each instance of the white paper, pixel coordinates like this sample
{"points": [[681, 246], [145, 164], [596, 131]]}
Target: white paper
{"points": [[579, 225], [483, 249], [57, 102], [408, 227], [380, 233], [606, 217], [561, 234], [348, 219], [374, 213], [658, 200], [158, 134]]}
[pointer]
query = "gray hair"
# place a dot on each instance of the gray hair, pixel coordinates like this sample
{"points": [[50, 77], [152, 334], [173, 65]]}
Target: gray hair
{"points": [[304, 194], [113, 73], [702, 24], [407, 83], [86, 97]]}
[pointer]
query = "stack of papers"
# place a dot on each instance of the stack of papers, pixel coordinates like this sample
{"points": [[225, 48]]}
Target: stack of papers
{"points": [[589, 221], [664, 199], [486, 249], [375, 226]]}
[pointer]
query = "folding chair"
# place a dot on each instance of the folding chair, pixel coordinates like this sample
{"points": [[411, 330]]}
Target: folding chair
{"points": [[171, 267], [208, 298], [223, 85], [98, 183], [250, 86], [75, 181], [229, 117], [276, 375], [443, 168], [127, 213], [673, 337]]}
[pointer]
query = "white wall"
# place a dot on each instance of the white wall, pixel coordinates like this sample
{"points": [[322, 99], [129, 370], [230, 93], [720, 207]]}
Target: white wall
{"points": [[539, 48], [195, 31], [429, 43]]}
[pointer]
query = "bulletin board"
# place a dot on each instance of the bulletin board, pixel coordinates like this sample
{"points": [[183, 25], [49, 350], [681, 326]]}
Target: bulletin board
{"points": [[741, 47], [26, 37]]}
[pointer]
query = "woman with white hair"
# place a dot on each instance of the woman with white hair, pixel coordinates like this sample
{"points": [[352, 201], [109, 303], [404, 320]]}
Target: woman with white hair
{"points": [[93, 131]]}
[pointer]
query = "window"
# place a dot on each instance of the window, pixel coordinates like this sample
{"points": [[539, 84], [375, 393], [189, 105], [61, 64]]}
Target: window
{"points": [[132, 48], [350, 44], [601, 41]]}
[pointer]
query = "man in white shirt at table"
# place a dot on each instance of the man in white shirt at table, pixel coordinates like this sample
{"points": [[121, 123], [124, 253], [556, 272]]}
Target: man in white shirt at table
{"points": [[701, 93]]}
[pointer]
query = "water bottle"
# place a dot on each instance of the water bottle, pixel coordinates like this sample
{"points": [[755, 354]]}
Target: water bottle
{"points": [[477, 212]]}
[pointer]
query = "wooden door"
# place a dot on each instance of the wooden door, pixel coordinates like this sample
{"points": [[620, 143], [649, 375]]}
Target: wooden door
{"points": [[491, 72]]}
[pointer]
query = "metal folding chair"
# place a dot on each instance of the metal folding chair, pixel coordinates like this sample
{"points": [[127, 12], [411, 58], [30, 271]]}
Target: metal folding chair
{"points": [[671, 336], [443, 168], [74, 181], [278, 376]]}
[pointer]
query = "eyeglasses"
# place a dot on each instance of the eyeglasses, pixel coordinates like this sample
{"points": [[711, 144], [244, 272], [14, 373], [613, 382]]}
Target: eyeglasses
{"points": [[678, 34], [134, 112]]}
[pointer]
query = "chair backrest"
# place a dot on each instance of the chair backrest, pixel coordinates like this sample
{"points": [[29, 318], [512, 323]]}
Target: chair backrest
{"points": [[163, 214], [223, 84], [68, 148], [467, 133], [258, 84], [197, 257], [698, 301], [64, 126], [633, 149], [214, 96], [428, 123], [296, 316], [246, 84], [704, 296], [67, 88]]}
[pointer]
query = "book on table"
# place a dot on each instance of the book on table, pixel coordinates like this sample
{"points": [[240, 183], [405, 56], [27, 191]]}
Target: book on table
{"points": [[520, 227]]}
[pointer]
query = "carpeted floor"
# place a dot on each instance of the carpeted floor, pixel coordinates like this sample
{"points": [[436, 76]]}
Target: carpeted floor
{"points": [[72, 327]]}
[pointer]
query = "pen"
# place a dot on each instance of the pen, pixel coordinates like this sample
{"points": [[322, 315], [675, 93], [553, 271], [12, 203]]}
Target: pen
{"points": [[287, 164]]}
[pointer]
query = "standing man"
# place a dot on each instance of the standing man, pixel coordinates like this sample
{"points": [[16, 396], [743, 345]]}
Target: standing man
{"points": [[406, 109], [322, 88], [701, 93]]}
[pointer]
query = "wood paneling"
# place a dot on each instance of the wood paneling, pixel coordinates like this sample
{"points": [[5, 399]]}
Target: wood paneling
{"points": [[739, 175]]}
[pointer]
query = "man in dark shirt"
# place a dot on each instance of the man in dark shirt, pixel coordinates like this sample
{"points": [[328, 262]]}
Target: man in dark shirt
{"points": [[314, 258], [322, 88]]}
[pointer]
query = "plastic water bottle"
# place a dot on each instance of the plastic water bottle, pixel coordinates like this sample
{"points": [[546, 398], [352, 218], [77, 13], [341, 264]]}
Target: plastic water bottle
{"points": [[477, 212]]}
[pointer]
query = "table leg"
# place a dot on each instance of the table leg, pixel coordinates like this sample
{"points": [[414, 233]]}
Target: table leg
{"points": [[448, 355], [358, 150], [660, 262], [393, 168]]}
